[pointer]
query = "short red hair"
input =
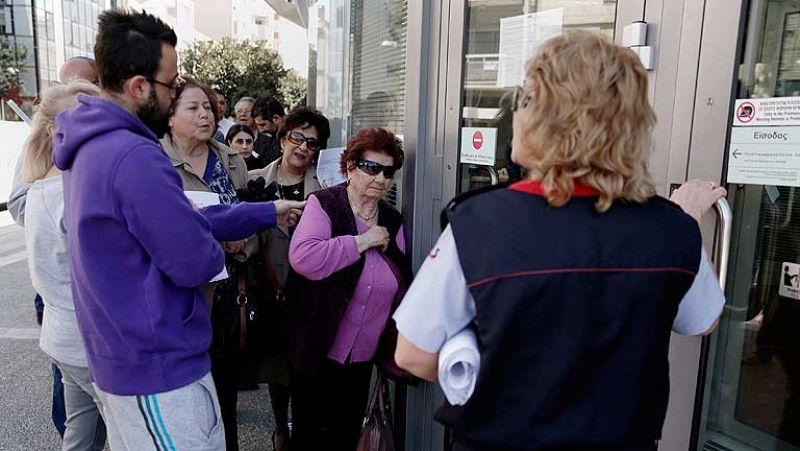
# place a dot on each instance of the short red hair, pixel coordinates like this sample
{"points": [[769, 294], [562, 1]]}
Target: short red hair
{"points": [[376, 139]]}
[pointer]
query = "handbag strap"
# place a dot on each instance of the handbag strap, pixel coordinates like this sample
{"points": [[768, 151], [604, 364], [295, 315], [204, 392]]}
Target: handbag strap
{"points": [[272, 275], [377, 398], [241, 299]]}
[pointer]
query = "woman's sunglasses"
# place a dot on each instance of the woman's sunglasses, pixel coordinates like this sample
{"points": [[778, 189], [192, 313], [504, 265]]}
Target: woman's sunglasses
{"points": [[372, 168], [298, 139]]}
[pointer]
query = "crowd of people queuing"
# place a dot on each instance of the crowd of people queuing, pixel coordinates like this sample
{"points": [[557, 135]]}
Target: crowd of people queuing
{"points": [[592, 268]]}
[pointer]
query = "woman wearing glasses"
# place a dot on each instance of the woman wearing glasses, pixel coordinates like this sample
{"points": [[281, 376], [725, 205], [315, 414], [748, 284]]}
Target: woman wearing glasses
{"points": [[349, 272], [207, 165], [293, 177]]}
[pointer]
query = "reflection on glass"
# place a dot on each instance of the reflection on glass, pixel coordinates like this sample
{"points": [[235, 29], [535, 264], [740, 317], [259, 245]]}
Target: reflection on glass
{"points": [[328, 39], [753, 392], [499, 39]]}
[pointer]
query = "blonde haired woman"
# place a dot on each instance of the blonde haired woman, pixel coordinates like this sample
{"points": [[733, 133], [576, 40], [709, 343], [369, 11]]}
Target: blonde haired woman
{"points": [[573, 278], [48, 264]]}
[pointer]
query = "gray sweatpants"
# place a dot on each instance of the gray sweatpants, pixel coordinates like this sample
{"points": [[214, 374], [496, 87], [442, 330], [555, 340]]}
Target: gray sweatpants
{"points": [[184, 419], [85, 430]]}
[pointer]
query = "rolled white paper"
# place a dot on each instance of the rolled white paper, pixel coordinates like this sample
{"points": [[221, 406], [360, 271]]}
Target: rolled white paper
{"points": [[459, 365]]}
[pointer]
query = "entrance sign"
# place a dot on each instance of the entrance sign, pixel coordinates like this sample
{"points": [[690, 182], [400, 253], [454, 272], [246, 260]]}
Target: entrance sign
{"points": [[790, 280], [478, 145], [764, 156], [520, 38], [772, 111]]}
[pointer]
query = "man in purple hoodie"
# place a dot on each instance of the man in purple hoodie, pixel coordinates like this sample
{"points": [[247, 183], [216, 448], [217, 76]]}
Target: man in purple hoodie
{"points": [[139, 252]]}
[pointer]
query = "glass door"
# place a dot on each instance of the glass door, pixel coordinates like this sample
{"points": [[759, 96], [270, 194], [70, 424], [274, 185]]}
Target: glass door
{"points": [[752, 392], [500, 36]]}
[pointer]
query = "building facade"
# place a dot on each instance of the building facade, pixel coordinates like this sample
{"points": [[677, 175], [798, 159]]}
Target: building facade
{"points": [[51, 31]]}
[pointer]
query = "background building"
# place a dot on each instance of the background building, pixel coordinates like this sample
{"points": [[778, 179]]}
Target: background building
{"points": [[51, 31], [252, 20]]}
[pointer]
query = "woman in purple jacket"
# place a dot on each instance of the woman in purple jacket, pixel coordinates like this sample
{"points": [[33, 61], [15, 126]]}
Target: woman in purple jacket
{"points": [[349, 273]]}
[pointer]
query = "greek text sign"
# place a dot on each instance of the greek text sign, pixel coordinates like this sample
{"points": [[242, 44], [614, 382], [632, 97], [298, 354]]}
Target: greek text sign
{"points": [[773, 111], [478, 145], [764, 156]]}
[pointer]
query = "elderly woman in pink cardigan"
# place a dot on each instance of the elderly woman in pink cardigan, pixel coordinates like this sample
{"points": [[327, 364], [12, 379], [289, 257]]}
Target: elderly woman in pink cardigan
{"points": [[349, 273]]}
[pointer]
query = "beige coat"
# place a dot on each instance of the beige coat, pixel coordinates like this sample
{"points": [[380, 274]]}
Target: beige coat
{"points": [[234, 165], [277, 239]]}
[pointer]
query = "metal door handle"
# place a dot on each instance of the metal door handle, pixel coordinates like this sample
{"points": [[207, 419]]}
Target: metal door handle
{"points": [[722, 255], [493, 175]]}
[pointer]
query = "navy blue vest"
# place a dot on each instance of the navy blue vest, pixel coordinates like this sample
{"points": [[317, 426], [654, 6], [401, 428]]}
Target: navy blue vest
{"points": [[574, 313]]}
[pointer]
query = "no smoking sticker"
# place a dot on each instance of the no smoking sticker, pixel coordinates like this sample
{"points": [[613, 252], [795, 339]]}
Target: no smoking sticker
{"points": [[745, 112]]}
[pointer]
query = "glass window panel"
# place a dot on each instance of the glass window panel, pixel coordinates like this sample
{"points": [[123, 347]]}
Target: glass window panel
{"points": [[23, 21], [489, 73], [51, 26], [5, 20], [30, 50], [27, 82]]}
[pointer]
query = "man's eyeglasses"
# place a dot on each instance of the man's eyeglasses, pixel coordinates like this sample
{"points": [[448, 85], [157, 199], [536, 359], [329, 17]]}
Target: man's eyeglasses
{"points": [[298, 139], [172, 87], [520, 98], [372, 168]]}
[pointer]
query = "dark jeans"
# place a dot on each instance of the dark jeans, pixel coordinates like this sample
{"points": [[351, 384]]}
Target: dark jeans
{"points": [[58, 412], [328, 408]]}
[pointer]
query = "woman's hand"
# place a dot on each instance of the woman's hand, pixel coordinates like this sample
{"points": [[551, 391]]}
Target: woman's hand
{"points": [[234, 247], [376, 236], [288, 211], [696, 197]]}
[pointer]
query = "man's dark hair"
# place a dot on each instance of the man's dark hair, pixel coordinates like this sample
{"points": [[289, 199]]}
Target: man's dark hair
{"points": [[266, 107], [306, 116], [129, 44]]}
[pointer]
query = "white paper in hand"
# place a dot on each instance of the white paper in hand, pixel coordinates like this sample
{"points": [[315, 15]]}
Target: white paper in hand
{"points": [[329, 167], [202, 199], [459, 365]]}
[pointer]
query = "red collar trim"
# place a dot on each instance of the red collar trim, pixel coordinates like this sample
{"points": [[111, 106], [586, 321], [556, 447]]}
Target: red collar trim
{"points": [[535, 187]]}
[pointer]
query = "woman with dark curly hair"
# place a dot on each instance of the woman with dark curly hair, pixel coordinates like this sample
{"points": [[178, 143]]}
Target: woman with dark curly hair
{"points": [[349, 273]]}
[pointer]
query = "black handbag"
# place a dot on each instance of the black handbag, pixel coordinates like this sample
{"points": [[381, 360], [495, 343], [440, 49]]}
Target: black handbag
{"points": [[377, 431]]}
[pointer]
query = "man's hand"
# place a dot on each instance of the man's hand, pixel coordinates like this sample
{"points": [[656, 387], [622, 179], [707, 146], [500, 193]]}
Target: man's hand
{"points": [[696, 197], [288, 211]]}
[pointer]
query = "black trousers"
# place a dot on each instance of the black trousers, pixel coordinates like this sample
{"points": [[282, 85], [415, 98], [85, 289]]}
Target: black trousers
{"points": [[328, 408], [225, 371]]}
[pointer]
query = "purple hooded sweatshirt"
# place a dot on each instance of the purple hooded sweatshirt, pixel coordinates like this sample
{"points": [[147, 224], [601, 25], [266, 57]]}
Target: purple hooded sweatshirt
{"points": [[139, 252]]}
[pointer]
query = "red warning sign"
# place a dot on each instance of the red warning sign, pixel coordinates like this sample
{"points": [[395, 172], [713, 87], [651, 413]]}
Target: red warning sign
{"points": [[477, 140], [746, 112]]}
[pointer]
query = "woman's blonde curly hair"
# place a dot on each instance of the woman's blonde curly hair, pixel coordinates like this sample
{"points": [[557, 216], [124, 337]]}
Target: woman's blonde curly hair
{"points": [[588, 120], [39, 144]]}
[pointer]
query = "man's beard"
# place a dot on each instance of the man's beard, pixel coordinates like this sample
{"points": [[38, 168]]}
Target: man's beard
{"points": [[153, 117]]}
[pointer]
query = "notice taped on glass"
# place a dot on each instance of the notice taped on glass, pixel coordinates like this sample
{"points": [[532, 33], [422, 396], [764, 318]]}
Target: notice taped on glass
{"points": [[767, 112], [520, 38]]}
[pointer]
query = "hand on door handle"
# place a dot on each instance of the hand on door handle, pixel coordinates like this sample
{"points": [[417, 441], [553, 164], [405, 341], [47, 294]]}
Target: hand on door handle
{"points": [[696, 197]]}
